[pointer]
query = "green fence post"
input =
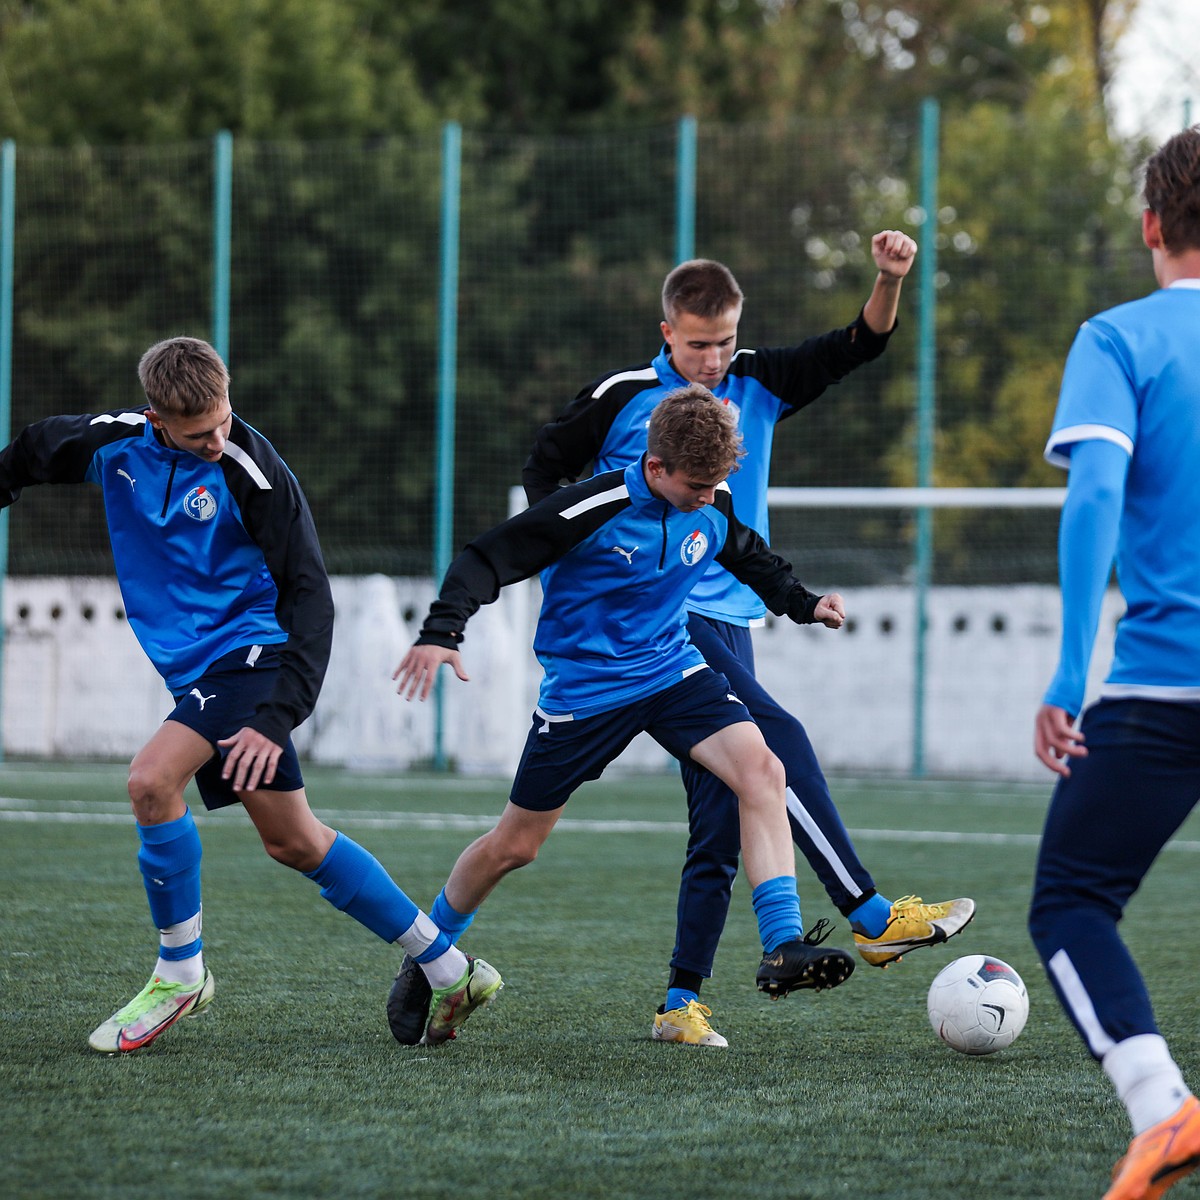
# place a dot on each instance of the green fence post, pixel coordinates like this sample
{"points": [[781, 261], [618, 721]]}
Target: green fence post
{"points": [[685, 190], [222, 239], [7, 229], [443, 535], [926, 409], [8, 201]]}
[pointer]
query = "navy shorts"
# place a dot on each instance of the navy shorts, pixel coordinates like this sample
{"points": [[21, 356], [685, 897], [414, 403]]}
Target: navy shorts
{"points": [[222, 701], [563, 752]]}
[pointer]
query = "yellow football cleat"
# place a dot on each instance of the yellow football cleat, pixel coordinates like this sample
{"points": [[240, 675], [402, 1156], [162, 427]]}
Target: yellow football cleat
{"points": [[687, 1025], [915, 924]]}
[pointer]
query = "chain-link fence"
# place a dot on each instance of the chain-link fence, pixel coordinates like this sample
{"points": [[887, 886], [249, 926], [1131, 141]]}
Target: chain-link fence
{"points": [[334, 320]]}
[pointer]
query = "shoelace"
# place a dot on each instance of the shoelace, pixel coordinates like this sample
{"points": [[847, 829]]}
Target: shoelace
{"points": [[819, 932], [698, 1012], [155, 992], [914, 906]]}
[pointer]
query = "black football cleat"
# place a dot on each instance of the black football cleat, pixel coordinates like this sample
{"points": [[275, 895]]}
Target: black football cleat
{"points": [[799, 965], [408, 1003]]}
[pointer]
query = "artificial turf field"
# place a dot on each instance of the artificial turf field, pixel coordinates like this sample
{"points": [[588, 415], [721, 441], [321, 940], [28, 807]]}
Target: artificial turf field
{"points": [[290, 1085]]}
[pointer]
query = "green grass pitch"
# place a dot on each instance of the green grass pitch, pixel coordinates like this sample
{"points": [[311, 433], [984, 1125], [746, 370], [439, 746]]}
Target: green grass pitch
{"points": [[291, 1085]]}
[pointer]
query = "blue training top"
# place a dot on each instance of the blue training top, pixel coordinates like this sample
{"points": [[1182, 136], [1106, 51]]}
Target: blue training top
{"points": [[1132, 380], [210, 556], [606, 425], [617, 565]]}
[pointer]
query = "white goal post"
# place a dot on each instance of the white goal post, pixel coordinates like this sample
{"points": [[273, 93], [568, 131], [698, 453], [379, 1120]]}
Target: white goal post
{"points": [[915, 497]]}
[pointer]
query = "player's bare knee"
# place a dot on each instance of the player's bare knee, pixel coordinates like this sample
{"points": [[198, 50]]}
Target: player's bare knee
{"points": [[763, 780], [510, 854], [288, 854], [300, 854], [762, 784], [151, 794]]}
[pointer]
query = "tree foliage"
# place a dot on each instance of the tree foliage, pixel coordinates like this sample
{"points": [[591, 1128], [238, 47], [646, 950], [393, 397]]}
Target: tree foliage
{"points": [[808, 144]]}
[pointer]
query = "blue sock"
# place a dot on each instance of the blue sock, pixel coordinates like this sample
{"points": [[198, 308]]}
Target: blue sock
{"points": [[777, 907], [353, 880], [169, 859], [872, 916], [678, 998], [449, 920]]}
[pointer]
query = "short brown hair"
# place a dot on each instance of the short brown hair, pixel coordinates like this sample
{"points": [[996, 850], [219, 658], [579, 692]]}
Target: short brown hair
{"points": [[694, 432], [1172, 190], [183, 377], [701, 288]]}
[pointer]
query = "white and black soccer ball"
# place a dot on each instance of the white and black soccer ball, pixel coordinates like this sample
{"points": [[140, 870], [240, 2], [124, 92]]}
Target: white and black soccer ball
{"points": [[978, 1004]]}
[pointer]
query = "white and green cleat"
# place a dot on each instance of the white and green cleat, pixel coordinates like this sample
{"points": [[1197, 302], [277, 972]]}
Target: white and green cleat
{"points": [[449, 1007], [152, 1011]]}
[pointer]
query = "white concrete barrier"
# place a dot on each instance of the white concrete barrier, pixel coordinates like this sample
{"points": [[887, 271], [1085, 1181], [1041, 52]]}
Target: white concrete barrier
{"points": [[76, 684]]}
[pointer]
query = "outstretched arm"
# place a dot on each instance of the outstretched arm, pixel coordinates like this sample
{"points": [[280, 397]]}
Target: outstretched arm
{"points": [[893, 253], [1087, 543], [514, 550], [749, 559]]}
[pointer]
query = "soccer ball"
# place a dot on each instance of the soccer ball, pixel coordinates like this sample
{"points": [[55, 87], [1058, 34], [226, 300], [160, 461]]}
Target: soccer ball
{"points": [[978, 1005]]}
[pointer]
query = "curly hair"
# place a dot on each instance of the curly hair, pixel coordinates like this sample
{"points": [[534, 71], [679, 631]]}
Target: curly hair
{"points": [[1172, 190], [183, 377], [694, 432], [701, 288]]}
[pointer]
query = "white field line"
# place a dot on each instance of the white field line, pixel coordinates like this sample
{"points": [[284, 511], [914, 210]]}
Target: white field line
{"points": [[80, 812]]}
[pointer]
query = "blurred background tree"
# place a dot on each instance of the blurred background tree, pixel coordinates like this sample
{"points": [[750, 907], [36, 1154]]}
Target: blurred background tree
{"points": [[808, 144]]}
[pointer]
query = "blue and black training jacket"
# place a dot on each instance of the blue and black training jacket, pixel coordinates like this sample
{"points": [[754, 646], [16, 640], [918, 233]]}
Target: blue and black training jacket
{"points": [[618, 564], [210, 556], [606, 425]]}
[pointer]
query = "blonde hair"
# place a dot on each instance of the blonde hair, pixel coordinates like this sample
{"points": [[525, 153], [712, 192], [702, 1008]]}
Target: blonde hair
{"points": [[183, 377]]}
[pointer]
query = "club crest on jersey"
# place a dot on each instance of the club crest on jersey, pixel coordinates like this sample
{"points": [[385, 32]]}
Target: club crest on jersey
{"points": [[694, 548], [200, 504]]}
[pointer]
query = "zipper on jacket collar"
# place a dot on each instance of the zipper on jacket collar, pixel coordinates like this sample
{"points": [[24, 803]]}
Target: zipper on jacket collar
{"points": [[662, 556], [170, 480]]}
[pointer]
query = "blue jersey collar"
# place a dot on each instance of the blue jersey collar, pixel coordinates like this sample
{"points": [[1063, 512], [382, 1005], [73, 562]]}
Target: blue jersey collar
{"points": [[671, 378], [640, 494]]}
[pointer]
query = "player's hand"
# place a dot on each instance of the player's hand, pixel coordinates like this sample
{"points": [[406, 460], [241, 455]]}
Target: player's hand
{"points": [[418, 667], [251, 759], [830, 611], [893, 252], [1056, 740]]}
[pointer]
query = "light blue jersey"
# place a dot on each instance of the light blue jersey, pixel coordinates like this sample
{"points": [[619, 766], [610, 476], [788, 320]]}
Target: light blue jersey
{"points": [[1132, 379]]}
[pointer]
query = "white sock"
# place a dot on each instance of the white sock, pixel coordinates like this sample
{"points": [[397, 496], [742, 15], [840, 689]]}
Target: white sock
{"points": [[1146, 1078], [442, 971], [446, 969], [181, 970]]}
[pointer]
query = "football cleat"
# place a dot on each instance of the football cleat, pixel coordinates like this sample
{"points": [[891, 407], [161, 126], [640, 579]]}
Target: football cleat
{"points": [[408, 1003], [798, 965], [449, 1007], [687, 1025], [914, 924], [1159, 1158], [152, 1011]]}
